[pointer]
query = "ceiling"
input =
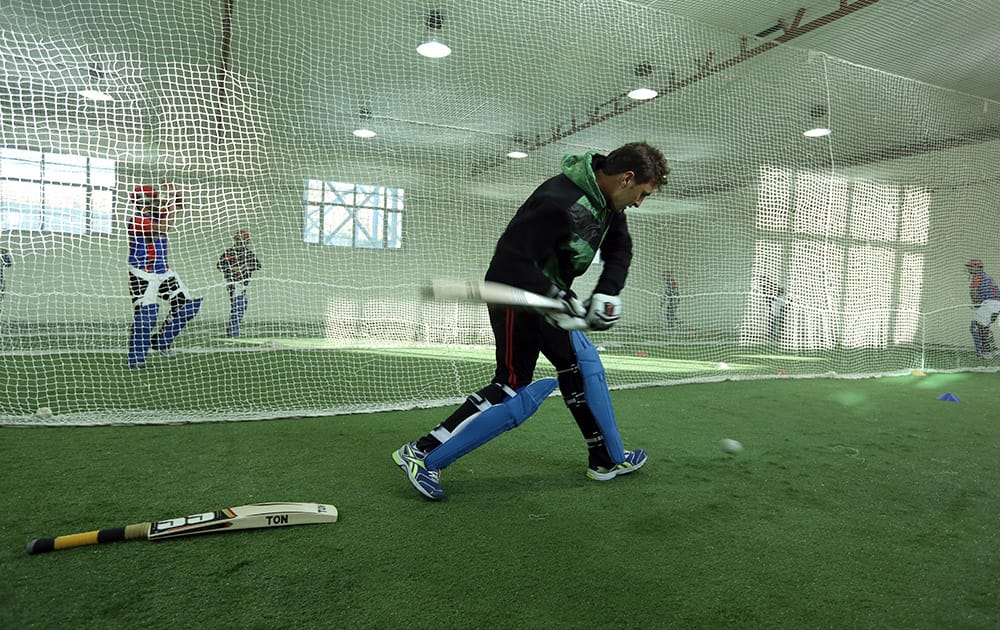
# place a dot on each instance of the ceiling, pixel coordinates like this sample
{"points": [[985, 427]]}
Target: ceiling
{"points": [[896, 80]]}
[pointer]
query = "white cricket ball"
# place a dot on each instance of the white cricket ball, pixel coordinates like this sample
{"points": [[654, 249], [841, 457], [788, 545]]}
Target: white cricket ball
{"points": [[44, 413], [731, 446]]}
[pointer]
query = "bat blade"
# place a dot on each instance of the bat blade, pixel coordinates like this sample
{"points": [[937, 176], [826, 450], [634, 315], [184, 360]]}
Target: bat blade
{"points": [[490, 293], [255, 515]]}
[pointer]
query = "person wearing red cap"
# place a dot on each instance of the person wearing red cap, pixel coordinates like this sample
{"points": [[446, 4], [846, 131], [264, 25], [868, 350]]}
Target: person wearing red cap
{"points": [[150, 277], [237, 264], [985, 297]]}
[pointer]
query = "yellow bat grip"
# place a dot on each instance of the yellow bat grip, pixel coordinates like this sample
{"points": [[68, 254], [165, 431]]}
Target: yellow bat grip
{"points": [[100, 536]]}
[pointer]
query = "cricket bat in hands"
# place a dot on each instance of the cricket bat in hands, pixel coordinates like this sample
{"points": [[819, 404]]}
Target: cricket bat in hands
{"points": [[253, 516], [490, 293]]}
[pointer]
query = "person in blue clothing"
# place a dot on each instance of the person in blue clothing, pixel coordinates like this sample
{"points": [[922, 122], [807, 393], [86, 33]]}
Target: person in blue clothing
{"points": [[237, 264], [150, 277], [985, 299]]}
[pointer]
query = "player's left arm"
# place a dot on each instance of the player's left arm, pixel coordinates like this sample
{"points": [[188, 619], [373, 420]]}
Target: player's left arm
{"points": [[616, 252], [990, 290], [604, 307]]}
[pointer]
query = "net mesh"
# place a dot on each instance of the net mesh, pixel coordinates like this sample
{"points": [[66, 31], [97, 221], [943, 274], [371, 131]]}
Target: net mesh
{"points": [[767, 254]]}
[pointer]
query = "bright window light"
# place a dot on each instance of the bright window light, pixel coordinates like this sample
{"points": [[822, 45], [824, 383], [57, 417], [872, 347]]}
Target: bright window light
{"points": [[818, 132], [517, 155], [364, 133], [434, 49], [56, 192], [341, 214], [642, 94]]}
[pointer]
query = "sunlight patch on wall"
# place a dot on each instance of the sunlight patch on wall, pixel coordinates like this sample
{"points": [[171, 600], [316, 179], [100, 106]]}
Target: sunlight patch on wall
{"points": [[868, 282], [874, 212], [911, 285], [914, 225], [838, 262], [820, 205], [773, 199]]}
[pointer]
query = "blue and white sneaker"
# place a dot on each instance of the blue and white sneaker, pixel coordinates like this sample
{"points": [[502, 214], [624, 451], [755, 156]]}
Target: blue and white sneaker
{"points": [[634, 460], [424, 479]]}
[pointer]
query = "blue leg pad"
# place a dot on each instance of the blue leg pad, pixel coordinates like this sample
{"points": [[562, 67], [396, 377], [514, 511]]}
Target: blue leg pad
{"points": [[237, 309], [176, 322], [142, 328], [977, 337], [595, 389], [490, 423]]}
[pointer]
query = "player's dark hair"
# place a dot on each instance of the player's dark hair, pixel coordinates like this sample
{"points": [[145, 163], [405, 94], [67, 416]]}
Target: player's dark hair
{"points": [[647, 162]]}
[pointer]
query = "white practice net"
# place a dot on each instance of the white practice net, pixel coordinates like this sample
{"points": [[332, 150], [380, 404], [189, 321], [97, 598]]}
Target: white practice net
{"points": [[767, 253]]}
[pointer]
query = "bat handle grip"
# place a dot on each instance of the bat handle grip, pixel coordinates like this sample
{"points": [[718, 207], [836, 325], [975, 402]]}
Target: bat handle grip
{"points": [[100, 536]]}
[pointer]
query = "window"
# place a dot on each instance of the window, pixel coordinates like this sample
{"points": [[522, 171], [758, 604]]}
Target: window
{"points": [[850, 255], [55, 192], [338, 214]]}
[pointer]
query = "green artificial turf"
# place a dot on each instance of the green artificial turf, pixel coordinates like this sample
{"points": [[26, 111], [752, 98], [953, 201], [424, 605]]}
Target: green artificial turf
{"points": [[856, 504]]}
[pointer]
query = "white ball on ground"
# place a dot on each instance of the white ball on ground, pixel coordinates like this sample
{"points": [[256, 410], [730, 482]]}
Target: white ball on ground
{"points": [[44, 413], [731, 446]]}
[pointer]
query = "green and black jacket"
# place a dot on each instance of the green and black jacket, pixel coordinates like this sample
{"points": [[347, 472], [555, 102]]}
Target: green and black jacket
{"points": [[554, 236]]}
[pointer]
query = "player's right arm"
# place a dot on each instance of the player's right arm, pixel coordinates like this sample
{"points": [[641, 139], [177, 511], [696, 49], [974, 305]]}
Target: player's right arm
{"points": [[974, 291], [616, 251], [531, 238], [225, 261]]}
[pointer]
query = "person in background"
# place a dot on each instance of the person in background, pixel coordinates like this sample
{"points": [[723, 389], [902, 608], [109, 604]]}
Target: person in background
{"points": [[150, 278], [237, 264], [5, 261], [985, 300], [551, 240], [671, 296], [776, 321]]}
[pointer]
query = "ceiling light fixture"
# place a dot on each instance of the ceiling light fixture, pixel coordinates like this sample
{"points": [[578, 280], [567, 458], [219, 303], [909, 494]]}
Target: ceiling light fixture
{"points": [[818, 112], [643, 93], [95, 95], [432, 47], [817, 132], [364, 113]]}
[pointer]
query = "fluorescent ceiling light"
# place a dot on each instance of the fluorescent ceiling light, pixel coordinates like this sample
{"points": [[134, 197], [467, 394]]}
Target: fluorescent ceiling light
{"points": [[517, 155], [642, 94], [364, 133], [95, 95], [818, 132], [434, 49]]}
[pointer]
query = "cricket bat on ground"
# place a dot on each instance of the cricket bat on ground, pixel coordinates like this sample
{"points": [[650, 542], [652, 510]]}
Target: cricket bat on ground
{"points": [[253, 516], [490, 293]]}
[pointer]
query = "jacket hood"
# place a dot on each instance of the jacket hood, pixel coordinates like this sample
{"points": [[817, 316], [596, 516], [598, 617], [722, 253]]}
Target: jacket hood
{"points": [[578, 168]]}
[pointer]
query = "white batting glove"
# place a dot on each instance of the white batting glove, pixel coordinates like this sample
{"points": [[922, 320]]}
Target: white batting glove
{"points": [[573, 317], [603, 311]]}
